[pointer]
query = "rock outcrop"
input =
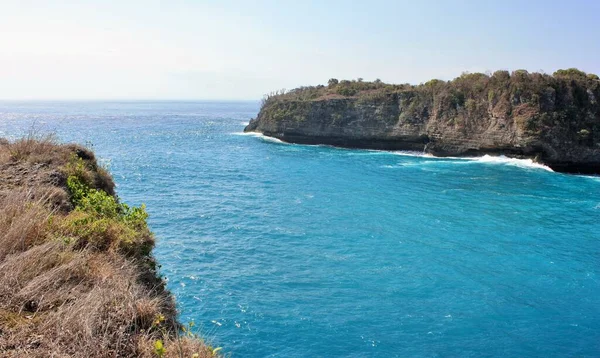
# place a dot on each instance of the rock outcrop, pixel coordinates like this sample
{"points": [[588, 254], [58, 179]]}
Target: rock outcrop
{"points": [[554, 119]]}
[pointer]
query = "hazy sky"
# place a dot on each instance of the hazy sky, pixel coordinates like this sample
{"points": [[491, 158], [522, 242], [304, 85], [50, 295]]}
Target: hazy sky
{"points": [[244, 49]]}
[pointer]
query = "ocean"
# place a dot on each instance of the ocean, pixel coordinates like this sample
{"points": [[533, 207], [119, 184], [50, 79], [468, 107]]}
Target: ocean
{"points": [[282, 250]]}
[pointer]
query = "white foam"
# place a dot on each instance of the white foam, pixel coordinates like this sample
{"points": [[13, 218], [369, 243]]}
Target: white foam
{"points": [[487, 159], [404, 153], [410, 153], [261, 136], [593, 177], [522, 163]]}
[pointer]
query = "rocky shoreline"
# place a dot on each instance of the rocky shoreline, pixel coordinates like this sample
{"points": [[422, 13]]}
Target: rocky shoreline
{"points": [[553, 119]]}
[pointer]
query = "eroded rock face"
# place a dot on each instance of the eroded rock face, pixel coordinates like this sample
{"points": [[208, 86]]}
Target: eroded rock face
{"points": [[553, 119]]}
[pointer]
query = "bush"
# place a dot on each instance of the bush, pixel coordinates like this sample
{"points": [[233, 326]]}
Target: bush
{"points": [[100, 220], [570, 72], [593, 77], [346, 91]]}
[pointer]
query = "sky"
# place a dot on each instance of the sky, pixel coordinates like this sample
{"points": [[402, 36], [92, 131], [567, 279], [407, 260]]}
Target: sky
{"points": [[241, 50]]}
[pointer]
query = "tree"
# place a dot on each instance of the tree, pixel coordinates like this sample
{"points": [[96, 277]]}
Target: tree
{"points": [[332, 82]]}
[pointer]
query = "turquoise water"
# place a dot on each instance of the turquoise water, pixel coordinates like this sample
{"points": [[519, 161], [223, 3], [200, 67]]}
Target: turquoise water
{"points": [[279, 250]]}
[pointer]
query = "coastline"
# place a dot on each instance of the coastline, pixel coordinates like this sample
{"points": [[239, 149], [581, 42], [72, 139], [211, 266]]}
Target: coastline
{"points": [[396, 146], [551, 119], [485, 158]]}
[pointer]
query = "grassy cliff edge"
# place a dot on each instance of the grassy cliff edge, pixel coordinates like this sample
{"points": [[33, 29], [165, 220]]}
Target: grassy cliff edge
{"points": [[77, 275]]}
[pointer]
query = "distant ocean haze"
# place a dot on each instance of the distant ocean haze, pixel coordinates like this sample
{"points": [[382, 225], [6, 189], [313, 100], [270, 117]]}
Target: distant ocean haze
{"points": [[284, 250]]}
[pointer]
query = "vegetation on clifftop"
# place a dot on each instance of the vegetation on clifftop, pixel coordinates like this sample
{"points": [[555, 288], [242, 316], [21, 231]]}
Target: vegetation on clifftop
{"points": [[540, 101], [461, 87], [77, 277]]}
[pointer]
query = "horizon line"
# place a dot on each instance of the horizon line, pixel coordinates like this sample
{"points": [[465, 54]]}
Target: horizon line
{"points": [[126, 100]]}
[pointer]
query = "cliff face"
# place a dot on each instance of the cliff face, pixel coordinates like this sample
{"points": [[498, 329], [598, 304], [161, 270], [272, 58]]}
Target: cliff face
{"points": [[77, 275], [554, 119]]}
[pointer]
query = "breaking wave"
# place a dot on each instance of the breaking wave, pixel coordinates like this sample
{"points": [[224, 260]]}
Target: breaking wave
{"points": [[261, 136], [523, 163], [486, 159]]}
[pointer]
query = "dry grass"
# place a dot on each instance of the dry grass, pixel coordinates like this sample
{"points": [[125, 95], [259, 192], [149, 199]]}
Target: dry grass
{"points": [[63, 295], [36, 149], [39, 160], [23, 221]]}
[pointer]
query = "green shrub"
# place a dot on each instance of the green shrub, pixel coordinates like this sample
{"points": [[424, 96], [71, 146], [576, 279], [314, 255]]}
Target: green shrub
{"points": [[91, 200], [99, 219], [593, 77], [570, 72], [346, 91], [76, 167], [433, 83], [584, 133], [102, 204]]}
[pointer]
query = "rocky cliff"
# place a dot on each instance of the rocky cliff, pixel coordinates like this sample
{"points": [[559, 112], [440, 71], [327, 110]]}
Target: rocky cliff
{"points": [[554, 119], [77, 275]]}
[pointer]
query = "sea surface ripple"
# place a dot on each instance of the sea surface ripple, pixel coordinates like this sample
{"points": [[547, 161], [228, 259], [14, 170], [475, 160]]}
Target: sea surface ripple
{"points": [[279, 250]]}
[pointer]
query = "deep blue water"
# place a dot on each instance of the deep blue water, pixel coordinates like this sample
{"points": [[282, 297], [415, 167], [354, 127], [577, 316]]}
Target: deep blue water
{"points": [[279, 250]]}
